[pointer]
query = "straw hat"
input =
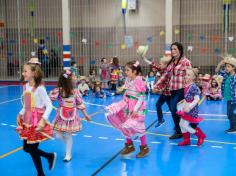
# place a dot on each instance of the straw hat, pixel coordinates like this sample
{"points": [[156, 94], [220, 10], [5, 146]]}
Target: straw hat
{"points": [[231, 61], [142, 50], [82, 78], [34, 60], [218, 79], [206, 77]]}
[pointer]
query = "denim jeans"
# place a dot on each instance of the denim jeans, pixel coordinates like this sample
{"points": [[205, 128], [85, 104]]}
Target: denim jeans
{"points": [[162, 99], [231, 114]]}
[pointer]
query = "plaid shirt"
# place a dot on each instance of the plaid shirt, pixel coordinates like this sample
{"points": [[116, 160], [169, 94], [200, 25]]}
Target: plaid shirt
{"points": [[162, 83], [232, 84], [177, 73]]}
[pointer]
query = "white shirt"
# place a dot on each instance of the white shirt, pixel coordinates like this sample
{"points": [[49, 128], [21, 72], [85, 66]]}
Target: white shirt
{"points": [[41, 100]]}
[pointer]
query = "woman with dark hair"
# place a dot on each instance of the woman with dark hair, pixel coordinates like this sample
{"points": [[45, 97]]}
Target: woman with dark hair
{"points": [[176, 70]]}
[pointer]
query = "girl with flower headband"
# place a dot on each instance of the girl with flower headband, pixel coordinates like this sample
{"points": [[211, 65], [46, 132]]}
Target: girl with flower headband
{"points": [[33, 126], [67, 120], [128, 115]]}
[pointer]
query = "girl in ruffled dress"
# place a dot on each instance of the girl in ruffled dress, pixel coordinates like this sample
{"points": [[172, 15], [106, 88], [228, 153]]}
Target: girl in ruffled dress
{"points": [[67, 120], [128, 115], [188, 110], [33, 126]]}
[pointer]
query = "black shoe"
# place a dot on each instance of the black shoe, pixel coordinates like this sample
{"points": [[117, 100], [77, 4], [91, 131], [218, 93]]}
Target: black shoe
{"points": [[159, 124], [52, 161], [176, 136], [231, 130]]}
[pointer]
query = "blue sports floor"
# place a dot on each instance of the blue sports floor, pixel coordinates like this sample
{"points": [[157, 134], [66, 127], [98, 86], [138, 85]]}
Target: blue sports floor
{"points": [[96, 148]]}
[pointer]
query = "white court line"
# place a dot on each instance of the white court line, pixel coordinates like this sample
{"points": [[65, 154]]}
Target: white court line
{"points": [[119, 139], [4, 124], [74, 134], [153, 142], [216, 146], [215, 115], [8, 86], [173, 143], [14, 126], [101, 137], [87, 136], [8, 101]]}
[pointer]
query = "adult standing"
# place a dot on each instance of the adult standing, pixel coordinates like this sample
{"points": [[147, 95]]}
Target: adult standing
{"points": [[176, 70]]}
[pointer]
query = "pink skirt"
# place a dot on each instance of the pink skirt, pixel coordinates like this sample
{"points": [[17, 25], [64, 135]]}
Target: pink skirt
{"points": [[189, 118], [129, 126]]}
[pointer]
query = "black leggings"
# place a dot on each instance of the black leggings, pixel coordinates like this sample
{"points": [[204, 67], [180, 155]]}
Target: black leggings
{"points": [[36, 154]]}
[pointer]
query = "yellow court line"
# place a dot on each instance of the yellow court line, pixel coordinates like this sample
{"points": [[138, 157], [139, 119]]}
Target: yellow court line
{"points": [[200, 102], [11, 152]]}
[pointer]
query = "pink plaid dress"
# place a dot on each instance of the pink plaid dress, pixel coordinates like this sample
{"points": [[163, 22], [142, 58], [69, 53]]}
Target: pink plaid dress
{"points": [[134, 99], [67, 118]]}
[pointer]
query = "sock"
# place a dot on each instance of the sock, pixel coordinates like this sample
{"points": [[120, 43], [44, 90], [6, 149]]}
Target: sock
{"points": [[128, 140], [68, 141], [143, 140]]}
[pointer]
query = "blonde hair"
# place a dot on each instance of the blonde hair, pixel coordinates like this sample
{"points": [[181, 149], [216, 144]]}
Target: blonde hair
{"points": [[195, 72], [165, 59]]}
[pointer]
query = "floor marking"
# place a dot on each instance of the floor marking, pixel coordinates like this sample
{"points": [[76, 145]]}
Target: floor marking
{"points": [[74, 134], [214, 146], [4, 124], [193, 145], [14, 126], [101, 137], [8, 101], [173, 143], [119, 139], [168, 112], [153, 142], [87, 136], [11, 152]]}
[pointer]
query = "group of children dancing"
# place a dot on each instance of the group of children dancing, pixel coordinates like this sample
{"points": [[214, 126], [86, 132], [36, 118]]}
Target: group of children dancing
{"points": [[127, 115]]}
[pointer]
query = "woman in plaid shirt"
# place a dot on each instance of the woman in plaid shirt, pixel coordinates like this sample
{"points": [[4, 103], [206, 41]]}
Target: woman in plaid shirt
{"points": [[176, 71]]}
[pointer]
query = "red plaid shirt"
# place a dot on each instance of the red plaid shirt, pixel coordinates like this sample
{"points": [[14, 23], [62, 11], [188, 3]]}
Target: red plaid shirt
{"points": [[162, 83], [177, 73]]}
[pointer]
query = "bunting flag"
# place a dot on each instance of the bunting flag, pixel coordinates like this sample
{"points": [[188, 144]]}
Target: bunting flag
{"points": [[217, 51], [122, 46], [96, 44], [58, 34], [110, 45], [149, 40], [176, 31], [162, 33], [231, 51], [47, 38], [23, 42], [93, 62], [231, 38], [35, 41], [129, 41], [189, 36], [1, 24], [203, 50], [81, 60], [215, 38], [190, 48], [202, 37]]}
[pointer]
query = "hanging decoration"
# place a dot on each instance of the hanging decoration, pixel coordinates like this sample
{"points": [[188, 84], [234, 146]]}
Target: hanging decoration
{"points": [[93, 62], [162, 33], [129, 41], [58, 33], [149, 40], [176, 31], [190, 48], [96, 44], [217, 51], [1, 40], [231, 38], [122, 46], [35, 41], [9, 54], [12, 41], [215, 38], [81, 60], [47, 38], [23, 41], [72, 35], [231, 51], [84, 41], [203, 50], [189, 36], [110, 45], [202, 37]]}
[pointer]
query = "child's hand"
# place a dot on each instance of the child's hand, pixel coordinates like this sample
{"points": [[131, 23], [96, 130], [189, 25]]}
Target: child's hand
{"points": [[40, 124], [88, 118], [186, 109], [19, 120]]}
